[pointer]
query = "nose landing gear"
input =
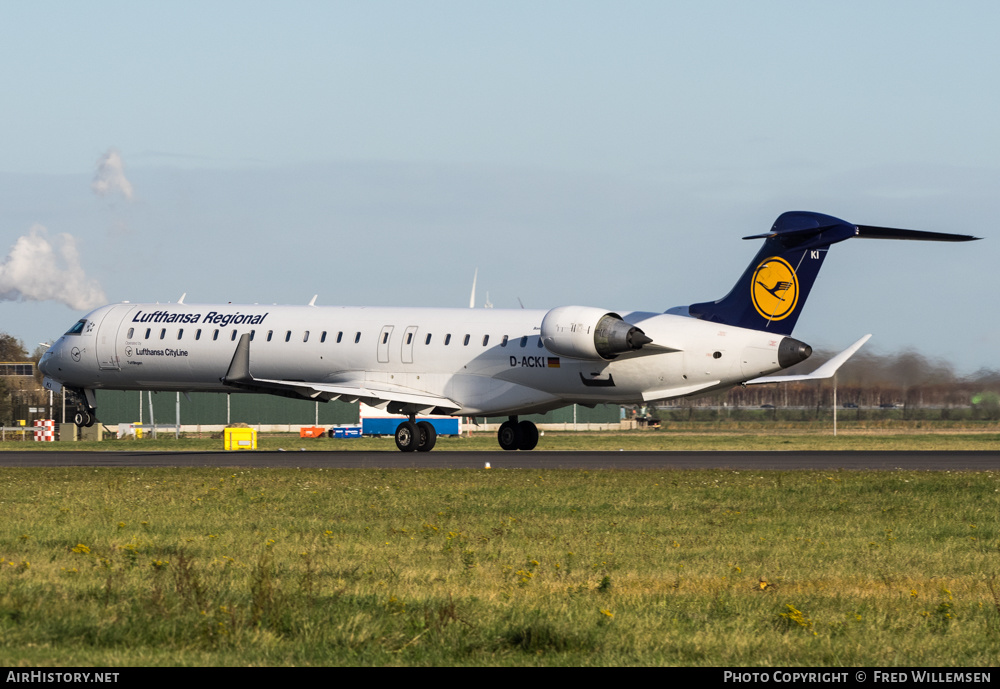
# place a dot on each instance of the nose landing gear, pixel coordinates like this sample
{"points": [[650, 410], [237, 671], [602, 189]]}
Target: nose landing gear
{"points": [[85, 418], [86, 411]]}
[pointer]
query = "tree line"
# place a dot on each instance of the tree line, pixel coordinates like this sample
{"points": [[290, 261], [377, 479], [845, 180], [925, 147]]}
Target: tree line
{"points": [[19, 393], [906, 379]]}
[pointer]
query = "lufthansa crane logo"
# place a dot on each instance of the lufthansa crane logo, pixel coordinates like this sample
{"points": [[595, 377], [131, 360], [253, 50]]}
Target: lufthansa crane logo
{"points": [[774, 288]]}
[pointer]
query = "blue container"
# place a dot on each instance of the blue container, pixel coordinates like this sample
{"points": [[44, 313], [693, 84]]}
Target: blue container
{"points": [[341, 432], [387, 426]]}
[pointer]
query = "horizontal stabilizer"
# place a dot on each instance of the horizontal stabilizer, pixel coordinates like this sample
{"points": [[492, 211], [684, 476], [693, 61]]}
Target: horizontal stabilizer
{"points": [[872, 232], [827, 370]]}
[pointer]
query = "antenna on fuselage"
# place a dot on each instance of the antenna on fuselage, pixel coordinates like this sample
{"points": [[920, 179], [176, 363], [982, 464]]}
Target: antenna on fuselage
{"points": [[312, 302], [181, 300]]}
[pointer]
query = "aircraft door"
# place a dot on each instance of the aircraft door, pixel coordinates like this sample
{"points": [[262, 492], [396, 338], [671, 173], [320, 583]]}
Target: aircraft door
{"points": [[107, 336], [409, 337], [383, 344]]}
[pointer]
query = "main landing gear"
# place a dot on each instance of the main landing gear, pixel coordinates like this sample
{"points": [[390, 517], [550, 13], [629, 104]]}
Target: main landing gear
{"points": [[514, 435], [420, 436], [413, 435]]}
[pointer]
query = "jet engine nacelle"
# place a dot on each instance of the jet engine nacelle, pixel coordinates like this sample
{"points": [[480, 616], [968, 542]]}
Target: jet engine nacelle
{"points": [[585, 332]]}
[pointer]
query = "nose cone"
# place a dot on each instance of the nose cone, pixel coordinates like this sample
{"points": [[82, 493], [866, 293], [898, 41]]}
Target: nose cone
{"points": [[45, 364], [51, 371], [792, 351]]}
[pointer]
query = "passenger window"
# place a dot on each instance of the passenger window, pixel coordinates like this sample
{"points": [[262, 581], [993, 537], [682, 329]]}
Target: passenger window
{"points": [[233, 336], [288, 336], [197, 334], [340, 336], [539, 341], [428, 340], [322, 338], [503, 342], [130, 331], [215, 335], [447, 339], [269, 334], [163, 333], [305, 337], [180, 333], [524, 341], [466, 343], [148, 330], [385, 337], [486, 339], [252, 334], [357, 338], [409, 338]]}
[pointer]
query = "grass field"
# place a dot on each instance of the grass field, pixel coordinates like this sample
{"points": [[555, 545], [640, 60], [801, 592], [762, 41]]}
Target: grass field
{"points": [[447, 567], [754, 437]]}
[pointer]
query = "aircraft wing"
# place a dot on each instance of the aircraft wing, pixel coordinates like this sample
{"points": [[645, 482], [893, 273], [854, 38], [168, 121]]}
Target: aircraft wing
{"points": [[668, 393], [395, 401], [825, 371]]}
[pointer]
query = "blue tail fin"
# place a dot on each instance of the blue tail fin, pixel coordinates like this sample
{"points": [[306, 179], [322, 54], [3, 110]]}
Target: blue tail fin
{"points": [[772, 291]]}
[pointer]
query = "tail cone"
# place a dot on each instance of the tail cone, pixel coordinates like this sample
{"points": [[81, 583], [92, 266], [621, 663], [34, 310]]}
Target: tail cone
{"points": [[792, 351]]}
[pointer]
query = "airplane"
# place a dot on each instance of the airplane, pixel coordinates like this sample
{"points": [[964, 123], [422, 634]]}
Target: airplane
{"points": [[467, 362]]}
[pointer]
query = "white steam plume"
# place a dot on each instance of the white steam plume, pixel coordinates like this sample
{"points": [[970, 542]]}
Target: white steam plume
{"points": [[35, 270], [110, 176]]}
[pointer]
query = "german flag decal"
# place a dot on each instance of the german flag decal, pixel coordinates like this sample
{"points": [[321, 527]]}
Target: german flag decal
{"points": [[553, 362]]}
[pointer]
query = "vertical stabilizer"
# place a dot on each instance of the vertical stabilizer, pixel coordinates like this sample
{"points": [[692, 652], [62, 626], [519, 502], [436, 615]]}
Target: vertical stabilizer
{"points": [[773, 289]]}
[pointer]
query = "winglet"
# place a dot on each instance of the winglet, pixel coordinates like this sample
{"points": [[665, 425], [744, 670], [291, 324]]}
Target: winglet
{"points": [[239, 367], [827, 370]]}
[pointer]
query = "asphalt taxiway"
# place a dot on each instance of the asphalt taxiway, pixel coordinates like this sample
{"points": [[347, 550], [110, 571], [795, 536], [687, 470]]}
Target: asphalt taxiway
{"points": [[592, 461]]}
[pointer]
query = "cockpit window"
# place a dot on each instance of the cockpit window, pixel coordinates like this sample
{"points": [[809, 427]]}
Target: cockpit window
{"points": [[77, 328]]}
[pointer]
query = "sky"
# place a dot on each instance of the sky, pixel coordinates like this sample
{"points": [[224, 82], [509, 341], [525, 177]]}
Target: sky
{"points": [[595, 153]]}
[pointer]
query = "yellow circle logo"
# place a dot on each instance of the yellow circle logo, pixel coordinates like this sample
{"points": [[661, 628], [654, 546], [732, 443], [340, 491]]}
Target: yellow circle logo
{"points": [[774, 288]]}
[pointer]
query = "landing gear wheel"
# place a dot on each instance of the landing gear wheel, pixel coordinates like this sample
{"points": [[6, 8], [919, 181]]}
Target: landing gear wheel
{"points": [[509, 435], [426, 436], [83, 418], [528, 433], [407, 436]]}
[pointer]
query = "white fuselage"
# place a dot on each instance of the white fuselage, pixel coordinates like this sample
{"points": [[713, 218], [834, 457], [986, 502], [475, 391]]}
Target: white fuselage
{"points": [[487, 361]]}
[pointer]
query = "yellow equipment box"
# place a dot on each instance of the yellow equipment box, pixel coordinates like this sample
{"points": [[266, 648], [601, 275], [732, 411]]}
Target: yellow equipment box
{"points": [[240, 438]]}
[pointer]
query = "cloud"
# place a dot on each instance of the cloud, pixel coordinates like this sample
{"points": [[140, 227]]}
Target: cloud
{"points": [[110, 176], [39, 270]]}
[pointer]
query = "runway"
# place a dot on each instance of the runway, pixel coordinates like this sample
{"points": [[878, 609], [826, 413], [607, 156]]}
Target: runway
{"points": [[590, 461]]}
